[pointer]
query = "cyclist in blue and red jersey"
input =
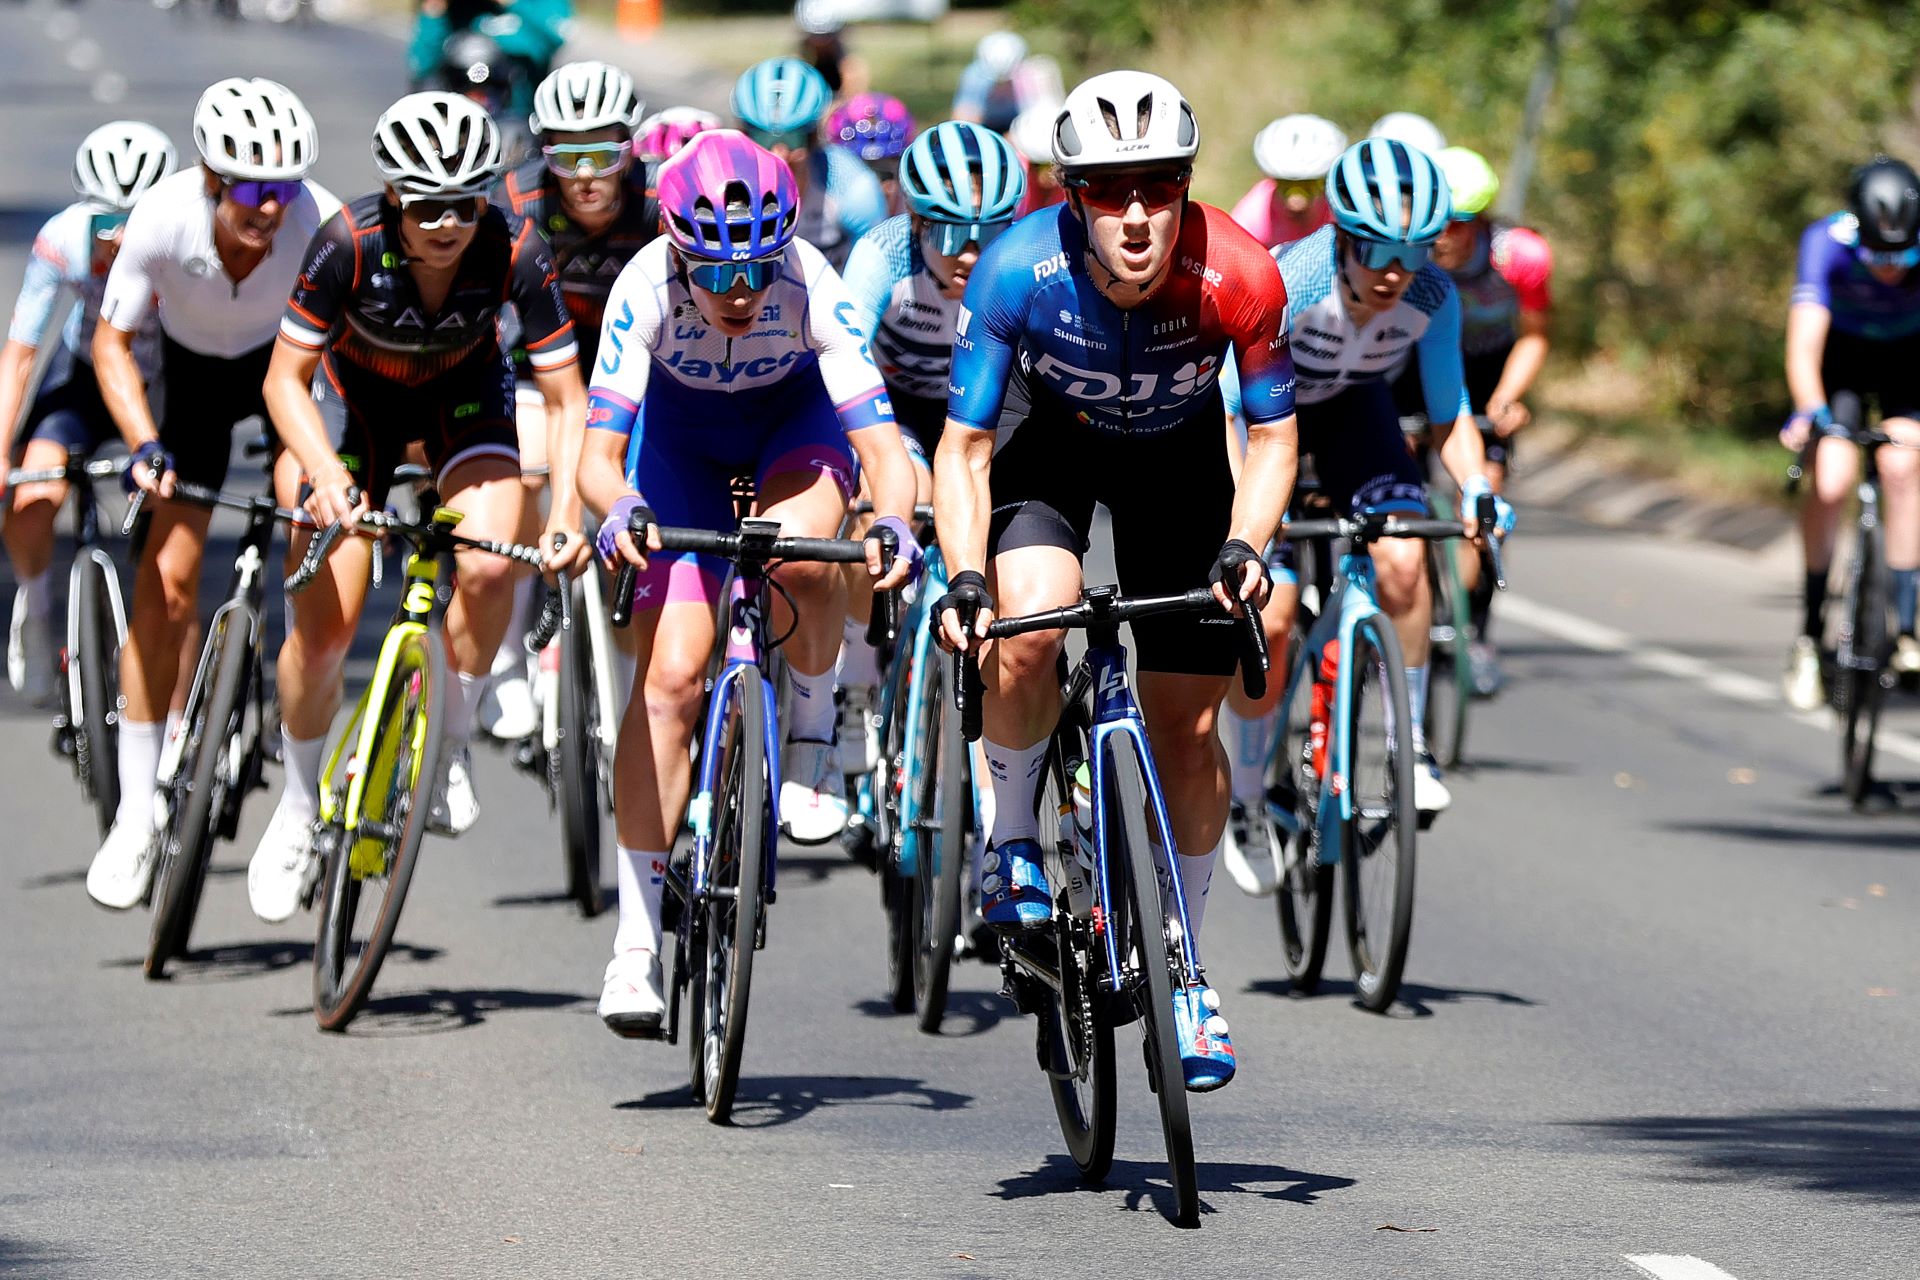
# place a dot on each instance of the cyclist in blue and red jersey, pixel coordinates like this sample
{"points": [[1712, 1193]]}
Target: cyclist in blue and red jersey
{"points": [[1853, 334], [727, 351], [1098, 328]]}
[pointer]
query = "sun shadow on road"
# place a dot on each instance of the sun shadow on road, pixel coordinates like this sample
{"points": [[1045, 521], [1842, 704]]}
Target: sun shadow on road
{"points": [[1856, 1151], [969, 1013], [437, 1009], [550, 898], [815, 867], [30, 1258], [54, 879], [764, 1102], [1828, 833], [1415, 1000], [234, 961], [1143, 1183]]}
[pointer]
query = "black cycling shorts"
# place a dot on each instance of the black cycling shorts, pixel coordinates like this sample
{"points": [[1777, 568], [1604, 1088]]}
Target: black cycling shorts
{"points": [[1358, 452], [68, 409], [1482, 374], [1855, 370], [921, 420], [466, 412], [1171, 497], [205, 398]]}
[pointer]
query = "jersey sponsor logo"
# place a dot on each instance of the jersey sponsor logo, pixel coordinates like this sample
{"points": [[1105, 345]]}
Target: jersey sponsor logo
{"points": [[617, 332], [915, 324], [1195, 376], [1079, 340], [1281, 391], [1392, 333], [1090, 384], [726, 374], [1195, 267], [1050, 266], [770, 312], [689, 332], [1175, 325], [961, 322]]}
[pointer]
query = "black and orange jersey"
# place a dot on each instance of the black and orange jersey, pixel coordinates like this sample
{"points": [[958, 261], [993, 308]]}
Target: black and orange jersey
{"points": [[356, 298], [588, 263]]}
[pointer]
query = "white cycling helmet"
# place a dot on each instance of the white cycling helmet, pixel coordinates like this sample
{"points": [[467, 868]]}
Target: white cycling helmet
{"points": [[254, 131], [1124, 118], [1000, 52], [584, 95], [1416, 131], [817, 17], [119, 161], [437, 144], [1294, 148], [1031, 133]]}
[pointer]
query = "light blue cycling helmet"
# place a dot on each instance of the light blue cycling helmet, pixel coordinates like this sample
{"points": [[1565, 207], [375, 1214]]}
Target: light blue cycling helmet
{"points": [[781, 95], [1383, 189], [938, 169]]}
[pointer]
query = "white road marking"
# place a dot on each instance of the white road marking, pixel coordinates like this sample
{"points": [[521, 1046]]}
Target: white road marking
{"points": [[1732, 685], [1676, 1266]]}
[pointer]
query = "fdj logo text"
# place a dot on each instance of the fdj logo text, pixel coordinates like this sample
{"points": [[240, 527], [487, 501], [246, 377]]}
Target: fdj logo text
{"points": [[1090, 384], [1050, 266]]}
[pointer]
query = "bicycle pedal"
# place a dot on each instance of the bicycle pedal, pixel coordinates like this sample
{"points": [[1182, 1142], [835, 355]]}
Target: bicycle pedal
{"points": [[1425, 821]]}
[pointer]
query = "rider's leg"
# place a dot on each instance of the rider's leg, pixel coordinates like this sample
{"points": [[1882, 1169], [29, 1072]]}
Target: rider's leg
{"points": [[506, 708], [1836, 469], [1179, 710], [165, 591], [312, 663], [485, 488], [1900, 504], [1021, 674], [31, 650]]}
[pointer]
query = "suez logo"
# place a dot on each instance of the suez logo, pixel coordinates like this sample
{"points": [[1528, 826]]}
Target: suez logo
{"points": [[1194, 267], [1089, 384]]}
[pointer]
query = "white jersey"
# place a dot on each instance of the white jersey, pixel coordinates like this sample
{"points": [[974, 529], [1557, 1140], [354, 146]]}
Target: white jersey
{"points": [[167, 253], [67, 257], [653, 331]]}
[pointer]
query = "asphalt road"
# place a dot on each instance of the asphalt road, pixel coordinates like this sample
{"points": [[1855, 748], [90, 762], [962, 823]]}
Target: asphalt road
{"points": [[1663, 998]]}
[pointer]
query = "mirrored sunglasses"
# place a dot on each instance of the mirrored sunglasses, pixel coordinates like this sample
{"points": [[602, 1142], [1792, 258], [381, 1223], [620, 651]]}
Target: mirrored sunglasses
{"points": [[951, 238], [1119, 189], [1904, 258], [1378, 255], [255, 195], [791, 139], [430, 213], [599, 159], [719, 277]]}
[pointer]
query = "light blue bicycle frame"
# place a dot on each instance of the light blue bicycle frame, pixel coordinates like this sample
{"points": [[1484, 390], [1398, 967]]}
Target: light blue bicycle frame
{"points": [[740, 676]]}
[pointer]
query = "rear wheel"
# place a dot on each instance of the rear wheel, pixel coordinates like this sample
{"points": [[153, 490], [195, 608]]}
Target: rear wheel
{"points": [[1863, 672], [95, 650], [215, 709], [1449, 665], [368, 869], [945, 810], [1156, 955], [582, 821], [1304, 901], [1378, 840]]}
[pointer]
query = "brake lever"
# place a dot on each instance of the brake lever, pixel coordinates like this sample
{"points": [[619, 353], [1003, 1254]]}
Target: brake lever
{"points": [[883, 622], [1487, 517], [1255, 659], [628, 577]]}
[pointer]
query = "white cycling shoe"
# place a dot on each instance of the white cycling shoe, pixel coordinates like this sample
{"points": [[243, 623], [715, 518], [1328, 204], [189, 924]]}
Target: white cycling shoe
{"points": [[31, 657], [630, 1000], [282, 868], [455, 806], [506, 709], [1248, 851], [813, 800], [120, 871], [1801, 682], [1430, 794]]}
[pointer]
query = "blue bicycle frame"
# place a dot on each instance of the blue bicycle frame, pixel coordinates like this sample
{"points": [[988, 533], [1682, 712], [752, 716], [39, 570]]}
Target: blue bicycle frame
{"points": [[919, 623]]}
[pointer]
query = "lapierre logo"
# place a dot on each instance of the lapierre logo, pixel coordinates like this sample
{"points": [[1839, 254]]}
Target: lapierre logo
{"points": [[1194, 267], [1050, 266]]}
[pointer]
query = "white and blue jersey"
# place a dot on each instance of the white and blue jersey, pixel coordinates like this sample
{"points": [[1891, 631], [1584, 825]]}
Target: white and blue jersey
{"points": [[67, 256], [899, 302], [844, 201]]}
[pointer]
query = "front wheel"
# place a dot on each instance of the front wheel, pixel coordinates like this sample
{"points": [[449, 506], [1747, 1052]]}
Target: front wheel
{"points": [[1304, 901], [1863, 673], [373, 852], [943, 823], [1449, 664], [1378, 839], [582, 822], [93, 646]]}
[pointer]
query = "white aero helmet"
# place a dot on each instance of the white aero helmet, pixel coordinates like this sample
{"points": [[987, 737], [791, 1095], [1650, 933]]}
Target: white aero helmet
{"points": [[1031, 133], [1295, 148], [119, 161], [254, 131], [1416, 131], [1000, 52], [437, 144], [1124, 118], [585, 95]]}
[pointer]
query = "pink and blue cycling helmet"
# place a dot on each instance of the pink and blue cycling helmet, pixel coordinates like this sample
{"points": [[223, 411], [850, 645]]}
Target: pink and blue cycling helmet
{"points": [[874, 126], [725, 198]]}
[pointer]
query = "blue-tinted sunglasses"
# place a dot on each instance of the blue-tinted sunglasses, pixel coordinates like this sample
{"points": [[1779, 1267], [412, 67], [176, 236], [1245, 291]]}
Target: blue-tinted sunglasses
{"points": [[1905, 258], [255, 195], [1378, 255], [950, 238], [718, 277]]}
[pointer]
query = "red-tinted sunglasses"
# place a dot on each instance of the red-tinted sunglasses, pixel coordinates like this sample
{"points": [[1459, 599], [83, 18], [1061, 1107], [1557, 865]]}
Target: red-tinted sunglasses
{"points": [[1118, 189]]}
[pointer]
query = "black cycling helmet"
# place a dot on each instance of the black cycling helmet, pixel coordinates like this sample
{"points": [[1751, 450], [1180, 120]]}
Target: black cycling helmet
{"points": [[1885, 197]]}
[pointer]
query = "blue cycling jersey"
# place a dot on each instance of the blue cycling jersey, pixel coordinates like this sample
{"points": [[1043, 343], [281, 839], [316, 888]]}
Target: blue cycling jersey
{"points": [[898, 300], [1831, 275]]}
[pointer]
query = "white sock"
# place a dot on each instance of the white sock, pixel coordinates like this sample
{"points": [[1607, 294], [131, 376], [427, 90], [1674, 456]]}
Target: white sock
{"points": [[174, 720], [810, 717], [1417, 703], [140, 746], [1196, 877], [511, 656], [461, 698], [39, 590], [302, 760], [859, 664], [1016, 780], [642, 882], [1249, 748]]}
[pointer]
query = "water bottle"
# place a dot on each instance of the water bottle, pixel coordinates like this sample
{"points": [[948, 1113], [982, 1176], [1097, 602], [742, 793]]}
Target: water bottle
{"points": [[1322, 707], [1077, 819]]}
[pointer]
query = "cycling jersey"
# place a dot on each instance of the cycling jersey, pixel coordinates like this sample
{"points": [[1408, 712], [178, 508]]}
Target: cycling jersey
{"points": [[982, 95], [1831, 275], [1126, 372], [897, 301], [1255, 213], [1509, 272], [66, 255], [357, 300], [588, 263], [167, 252], [844, 201]]}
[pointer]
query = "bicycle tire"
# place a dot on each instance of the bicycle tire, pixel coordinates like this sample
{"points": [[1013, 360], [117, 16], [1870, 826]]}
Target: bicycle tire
{"points": [[96, 648], [1449, 668], [402, 775], [1303, 902], [1861, 680], [949, 803], [199, 792], [1387, 823], [894, 822], [1153, 995], [582, 825], [733, 919]]}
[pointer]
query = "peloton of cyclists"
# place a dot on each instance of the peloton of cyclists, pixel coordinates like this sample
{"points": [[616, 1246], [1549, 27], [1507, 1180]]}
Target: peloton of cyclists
{"points": [[780, 103]]}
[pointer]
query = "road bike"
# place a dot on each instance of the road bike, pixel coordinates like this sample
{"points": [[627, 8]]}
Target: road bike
{"points": [[219, 756], [86, 727], [376, 790], [1119, 944], [1450, 686], [1342, 775], [717, 898]]}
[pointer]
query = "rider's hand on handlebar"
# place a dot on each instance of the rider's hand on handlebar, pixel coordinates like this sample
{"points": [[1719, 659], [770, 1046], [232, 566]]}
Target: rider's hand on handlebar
{"points": [[906, 554], [615, 540], [1476, 488], [966, 594], [151, 469], [1801, 426], [567, 553], [1508, 416], [335, 498], [1239, 574]]}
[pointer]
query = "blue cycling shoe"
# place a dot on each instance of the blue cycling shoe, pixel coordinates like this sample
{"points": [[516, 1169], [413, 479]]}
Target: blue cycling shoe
{"points": [[1206, 1054], [1013, 888]]}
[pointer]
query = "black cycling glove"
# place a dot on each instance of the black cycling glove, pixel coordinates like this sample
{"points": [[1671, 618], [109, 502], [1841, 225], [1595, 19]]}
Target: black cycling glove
{"points": [[1226, 571], [967, 594]]}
